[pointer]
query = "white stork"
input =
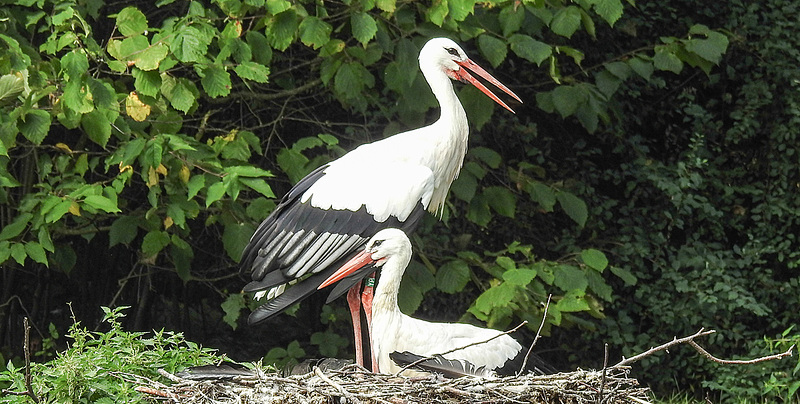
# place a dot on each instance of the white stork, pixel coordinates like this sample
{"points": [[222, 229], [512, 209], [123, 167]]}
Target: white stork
{"points": [[390, 251], [327, 216]]}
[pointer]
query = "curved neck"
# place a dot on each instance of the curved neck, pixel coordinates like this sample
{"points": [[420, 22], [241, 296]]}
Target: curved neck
{"points": [[452, 114], [385, 299]]}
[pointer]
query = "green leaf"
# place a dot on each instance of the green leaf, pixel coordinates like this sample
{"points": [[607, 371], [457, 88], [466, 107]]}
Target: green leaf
{"points": [[566, 99], [232, 306], [493, 49], [146, 83], [710, 49], [281, 29], [45, 240], [487, 155], [572, 302], [625, 275], [151, 57], [195, 184], [574, 207], [75, 63], [478, 212], [177, 92], [511, 19], [609, 10], [363, 27], [520, 276], [438, 11], [235, 237], [501, 200], [10, 87], [314, 32], [607, 83], [18, 253], [566, 21], [664, 59], [348, 80], [64, 258], [386, 5], [131, 21], [57, 212], [530, 49], [460, 9], [123, 230], [216, 81], [78, 97], [102, 203], [16, 226], [189, 45], [258, 185], [35, 125], [478, 106], [97, 127], [598, 286], [278, 6], [595, 259], [409, 297], [452, 276], [215, 193], [569, 278], [153, 242], [496, 296], [253, 71], [464, 187], [642, 67], [35, 251], [542, 194]]}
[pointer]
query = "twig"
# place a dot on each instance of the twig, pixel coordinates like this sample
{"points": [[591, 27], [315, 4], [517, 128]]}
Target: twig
{"points": [[328, 380], [420, 360], [536, 338], [705, 353], [675, 341], [605, 369], [27, 350]]}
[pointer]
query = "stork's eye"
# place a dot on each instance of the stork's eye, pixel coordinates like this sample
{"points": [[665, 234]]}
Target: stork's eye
{"points": [[452, 51], [377, 243]]}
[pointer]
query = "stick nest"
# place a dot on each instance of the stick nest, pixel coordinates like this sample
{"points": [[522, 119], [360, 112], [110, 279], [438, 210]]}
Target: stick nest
{"points": [[354, 385]]}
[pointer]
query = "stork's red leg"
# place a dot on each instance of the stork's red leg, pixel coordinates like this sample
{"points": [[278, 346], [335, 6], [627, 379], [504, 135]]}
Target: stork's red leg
{"points": [[366, 300], [355, 313]]}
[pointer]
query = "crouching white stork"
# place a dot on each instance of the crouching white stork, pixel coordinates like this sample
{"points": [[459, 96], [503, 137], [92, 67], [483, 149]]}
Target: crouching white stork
{"points": [[394, 332], [334, 210]]}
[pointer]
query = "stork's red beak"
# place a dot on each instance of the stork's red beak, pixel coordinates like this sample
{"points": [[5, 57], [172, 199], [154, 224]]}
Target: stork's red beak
{"points": [[463, 75], [361, 259]]}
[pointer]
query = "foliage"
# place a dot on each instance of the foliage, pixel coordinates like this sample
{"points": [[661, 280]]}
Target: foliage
{"points": [[650, 187], [102, 366]]}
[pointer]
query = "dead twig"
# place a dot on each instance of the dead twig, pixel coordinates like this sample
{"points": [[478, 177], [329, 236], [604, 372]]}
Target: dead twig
{"points": [[705, 353], [662, 347], [536, 338], [27, 349]]}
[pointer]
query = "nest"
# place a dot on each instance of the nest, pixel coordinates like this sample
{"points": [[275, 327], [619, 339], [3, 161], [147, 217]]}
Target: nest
{"points": [[353, 384]]}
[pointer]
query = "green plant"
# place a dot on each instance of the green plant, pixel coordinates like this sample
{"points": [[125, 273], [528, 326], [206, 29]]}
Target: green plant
{"points": [[103, 366]]}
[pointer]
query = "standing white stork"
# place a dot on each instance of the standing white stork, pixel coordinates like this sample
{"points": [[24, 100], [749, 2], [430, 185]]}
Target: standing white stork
{"points": [[335, 209], [393, 331]]}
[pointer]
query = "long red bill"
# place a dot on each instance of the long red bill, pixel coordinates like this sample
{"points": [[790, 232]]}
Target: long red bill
{"points": [[361, 259], [472, 66]]}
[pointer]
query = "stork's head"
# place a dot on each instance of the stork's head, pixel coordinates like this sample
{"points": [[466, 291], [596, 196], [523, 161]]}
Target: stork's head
{"points": [[445, 55], [387, 244]]}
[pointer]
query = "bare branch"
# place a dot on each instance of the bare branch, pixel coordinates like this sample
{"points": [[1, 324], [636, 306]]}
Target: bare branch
{"points": [[662, 347], [705, 353], [538, 334]]}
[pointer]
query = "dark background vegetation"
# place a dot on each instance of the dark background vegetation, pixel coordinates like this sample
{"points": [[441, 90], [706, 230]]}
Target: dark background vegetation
{"points": [[138, 155]]}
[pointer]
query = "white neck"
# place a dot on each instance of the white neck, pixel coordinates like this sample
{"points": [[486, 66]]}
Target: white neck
{"points": [[451, 131], [385, 298]]}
